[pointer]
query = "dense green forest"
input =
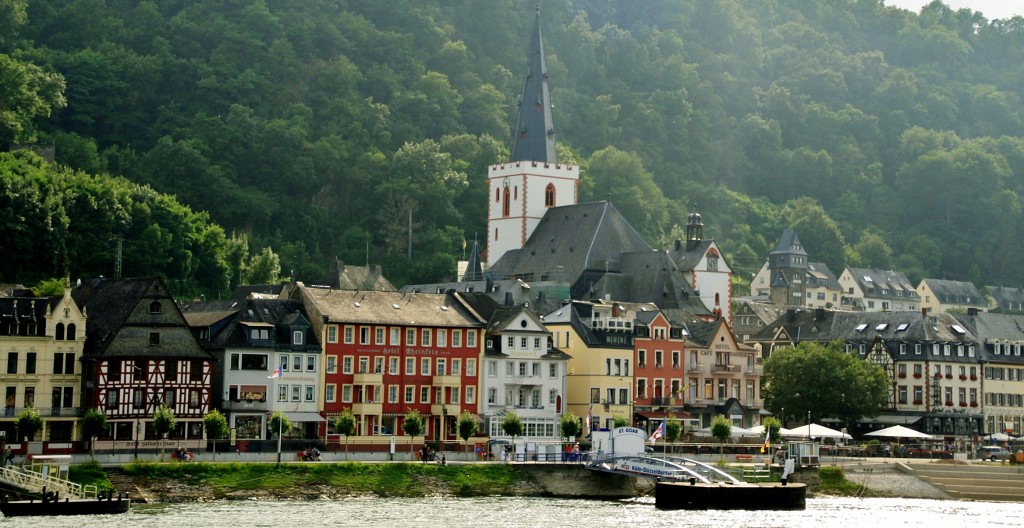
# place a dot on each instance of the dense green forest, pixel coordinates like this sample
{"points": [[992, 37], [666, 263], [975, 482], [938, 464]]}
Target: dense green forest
{"points": [[220, 141]]}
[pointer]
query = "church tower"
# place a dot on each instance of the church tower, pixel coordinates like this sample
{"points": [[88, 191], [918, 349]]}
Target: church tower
{"points": [[787, 265], [521, 191]]}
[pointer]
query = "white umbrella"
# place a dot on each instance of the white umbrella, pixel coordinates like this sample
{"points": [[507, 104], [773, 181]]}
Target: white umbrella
{"points": [[814, 431], [736, 431], [999, 437], [898, 431], [757, 429]]}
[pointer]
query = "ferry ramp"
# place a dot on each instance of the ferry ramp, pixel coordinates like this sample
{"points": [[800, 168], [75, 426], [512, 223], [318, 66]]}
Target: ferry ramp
{"points": [[657, 468]]}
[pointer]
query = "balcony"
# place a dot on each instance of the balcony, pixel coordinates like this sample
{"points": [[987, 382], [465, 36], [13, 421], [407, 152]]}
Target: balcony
{"points": [[370, 408], [368, 377], [663, 401], [447, 381], [438, 409], [725, 368]]}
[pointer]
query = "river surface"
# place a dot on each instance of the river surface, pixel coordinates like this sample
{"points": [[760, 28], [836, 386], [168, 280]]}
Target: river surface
{"points": [[514, 512]]}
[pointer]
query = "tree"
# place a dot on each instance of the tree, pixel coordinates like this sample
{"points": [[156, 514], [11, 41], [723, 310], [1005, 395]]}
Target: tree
{"points": [[513, 426], [721, 429], [265, 267], [570, 425], [345, 424], [163, 423], [27, 93], [412, 424], [29, 423], [825, 381], [621, 421], [467, 427], [94, 424], [673, 430], [216, 426], [279, 423]]}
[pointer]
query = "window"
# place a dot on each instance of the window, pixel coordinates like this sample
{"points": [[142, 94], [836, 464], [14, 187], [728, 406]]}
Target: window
{"points": [[522, 343], [623, 396], [195, 372], [456, 367], [346, 365], [364, 335], [393, 366], [392, 393], [440, 365], [378, 335], [349, 335], [425, 337], [395, 332], [193, 398], [456, 338], [553, 370], [346, 394], [171, 370], [332, 334], [155, 308], [310, 363], [364, 365], [410, 337], [310, 393], [425, 394], [332, 364], [510, 342], [329, 392], [12, 362], [492, 395], [282, 393], [30, 363], [296, 393], [492, 368], [424, 366], [111, 398], [410, 366], [442, 338], [409, 394], [154, 338], [297, 363], [139, 371], [549, 195], [471, 338]]}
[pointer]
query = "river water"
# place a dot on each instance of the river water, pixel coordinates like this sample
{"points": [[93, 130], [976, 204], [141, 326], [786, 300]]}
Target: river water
{"points": [[515, 512]]}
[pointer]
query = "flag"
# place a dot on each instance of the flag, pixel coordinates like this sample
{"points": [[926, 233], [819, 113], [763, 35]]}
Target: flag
{"points": [[590, 419], [767, 440], [277, 373], [658, 432]]}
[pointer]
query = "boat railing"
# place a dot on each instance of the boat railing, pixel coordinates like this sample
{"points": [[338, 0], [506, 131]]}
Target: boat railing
{"points": [[32, 481], [711, 473], [660, 468]]}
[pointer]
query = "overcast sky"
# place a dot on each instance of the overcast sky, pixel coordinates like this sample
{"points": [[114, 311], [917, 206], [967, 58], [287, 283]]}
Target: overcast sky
{"points": [[991, 8]]}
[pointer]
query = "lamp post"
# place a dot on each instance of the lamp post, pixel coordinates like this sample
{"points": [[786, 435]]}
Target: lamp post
{"points": [[138, 431]]}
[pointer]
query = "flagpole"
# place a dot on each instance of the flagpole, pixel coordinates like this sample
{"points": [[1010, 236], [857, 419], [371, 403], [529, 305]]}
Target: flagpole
{"points": [[280, 419]]}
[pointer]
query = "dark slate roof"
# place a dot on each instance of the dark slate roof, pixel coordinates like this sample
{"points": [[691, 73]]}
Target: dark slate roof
{"points": [[650, 276], [246, 291], [788, 244], [956, 292], [533, 138], [824, 326], [687, 255], [992, 328], [702, 332], [229, 331], [12, 290], [120, 321], [779, 279], [343, 276], [512, 292], [1008, 298], [570, 240], [879, 283], [818, 275], [26, 310], [474, 270]]}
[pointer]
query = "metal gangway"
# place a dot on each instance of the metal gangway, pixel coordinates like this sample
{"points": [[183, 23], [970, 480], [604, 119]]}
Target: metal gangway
{"points": [[46, 471], [668, 468]]}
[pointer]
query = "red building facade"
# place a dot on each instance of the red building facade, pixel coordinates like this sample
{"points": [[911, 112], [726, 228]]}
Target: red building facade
{"points": [[660, 372]]}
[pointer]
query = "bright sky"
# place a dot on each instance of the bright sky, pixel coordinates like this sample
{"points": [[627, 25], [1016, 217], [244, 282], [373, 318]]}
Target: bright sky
{"points": [[992, 9]]}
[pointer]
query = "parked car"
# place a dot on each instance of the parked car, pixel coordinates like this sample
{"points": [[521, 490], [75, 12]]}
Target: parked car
{"points": [[994, 453]]}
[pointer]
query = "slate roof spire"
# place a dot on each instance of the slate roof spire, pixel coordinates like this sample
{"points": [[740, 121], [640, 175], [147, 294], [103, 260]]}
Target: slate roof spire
{"points": [[533, 138]]}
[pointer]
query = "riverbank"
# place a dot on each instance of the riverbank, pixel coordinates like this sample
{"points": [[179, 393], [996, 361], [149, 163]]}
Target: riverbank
{"points": [[178, 482]]}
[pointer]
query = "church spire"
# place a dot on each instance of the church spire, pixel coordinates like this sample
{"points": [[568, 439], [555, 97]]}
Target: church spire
{"points": [[534, 135]]}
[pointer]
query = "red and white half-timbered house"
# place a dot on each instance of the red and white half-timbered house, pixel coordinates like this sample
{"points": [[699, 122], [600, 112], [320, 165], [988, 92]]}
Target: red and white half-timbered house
{"points": [[140, 353], [389, 352]]}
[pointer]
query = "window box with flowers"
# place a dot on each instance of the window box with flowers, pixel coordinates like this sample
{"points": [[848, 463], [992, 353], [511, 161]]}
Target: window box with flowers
{"points": [[938, 375], [917, 402], [963, 378], [974, 404], [963, 404], [949, 403], [917, 375], [974, 378], [901, 375], [949, 376]]}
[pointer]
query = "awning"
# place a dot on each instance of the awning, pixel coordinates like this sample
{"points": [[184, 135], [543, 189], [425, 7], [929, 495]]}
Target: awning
{"points": [[304, 417], [892, 419], [661, 415]]}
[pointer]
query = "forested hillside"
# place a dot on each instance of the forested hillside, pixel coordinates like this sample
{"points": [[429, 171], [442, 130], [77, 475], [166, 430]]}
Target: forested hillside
{"points": [[886, 138]]}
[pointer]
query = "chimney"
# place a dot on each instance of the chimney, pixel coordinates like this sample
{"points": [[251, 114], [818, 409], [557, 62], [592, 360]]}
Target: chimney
{"points": [[791, 315]]}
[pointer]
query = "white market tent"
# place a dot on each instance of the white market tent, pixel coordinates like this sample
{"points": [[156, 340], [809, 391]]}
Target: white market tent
{"points": [[736, 432], [814, 431], [998, 437], [899, 432]]}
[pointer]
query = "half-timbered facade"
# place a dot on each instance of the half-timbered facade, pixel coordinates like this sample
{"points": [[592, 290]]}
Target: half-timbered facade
{"points": [[139, 353]]}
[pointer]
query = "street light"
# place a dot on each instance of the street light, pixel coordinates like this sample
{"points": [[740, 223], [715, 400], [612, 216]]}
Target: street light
{"points": [[138, 424]]}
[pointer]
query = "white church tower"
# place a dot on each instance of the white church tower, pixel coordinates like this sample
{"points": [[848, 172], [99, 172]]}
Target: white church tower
{"points": [[522, 190]]}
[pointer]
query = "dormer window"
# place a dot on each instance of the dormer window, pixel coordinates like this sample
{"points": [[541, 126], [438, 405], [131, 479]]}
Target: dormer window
{"points": [[155, 307], [297, 337]]}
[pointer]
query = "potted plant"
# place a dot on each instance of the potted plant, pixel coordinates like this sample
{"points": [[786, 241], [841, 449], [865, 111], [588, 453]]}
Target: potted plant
{"points": [[917, 375]]}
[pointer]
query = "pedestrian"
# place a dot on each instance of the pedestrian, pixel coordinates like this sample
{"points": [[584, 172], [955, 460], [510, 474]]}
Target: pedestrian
{"points": [[444, 461], [9, 456]]}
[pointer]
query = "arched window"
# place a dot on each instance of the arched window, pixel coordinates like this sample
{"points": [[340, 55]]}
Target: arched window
{"points": [[549, 195], [515, 192], [507, 204], [155, 307], [59, 332], [71, 332], [497, 195]]}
